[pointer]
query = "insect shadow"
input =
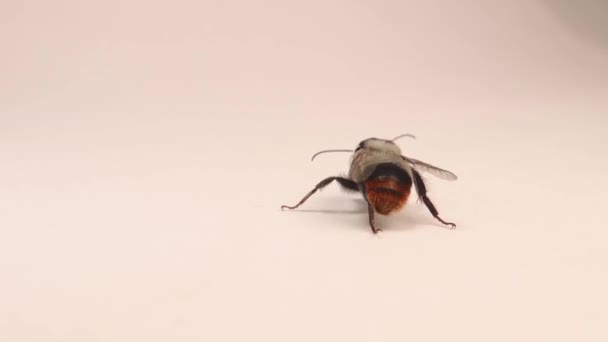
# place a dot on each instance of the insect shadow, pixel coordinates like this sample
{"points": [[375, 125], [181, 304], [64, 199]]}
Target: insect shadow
{"points": [[412, 219]]}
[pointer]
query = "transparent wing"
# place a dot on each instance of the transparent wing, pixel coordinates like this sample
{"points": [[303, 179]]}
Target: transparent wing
{"points": [[434, 170]]}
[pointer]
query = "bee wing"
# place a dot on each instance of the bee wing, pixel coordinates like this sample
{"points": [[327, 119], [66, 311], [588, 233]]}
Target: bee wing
{"points": [[434, 170]]}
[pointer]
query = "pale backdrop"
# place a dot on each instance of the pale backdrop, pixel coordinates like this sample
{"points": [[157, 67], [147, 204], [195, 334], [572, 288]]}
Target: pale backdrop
{"points": [[146, 146]]}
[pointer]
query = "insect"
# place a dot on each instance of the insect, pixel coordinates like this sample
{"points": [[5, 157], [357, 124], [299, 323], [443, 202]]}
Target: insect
{"points": [[384, 177]]}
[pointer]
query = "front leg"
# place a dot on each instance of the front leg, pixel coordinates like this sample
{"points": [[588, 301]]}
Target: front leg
{"points": [[370, 209]]}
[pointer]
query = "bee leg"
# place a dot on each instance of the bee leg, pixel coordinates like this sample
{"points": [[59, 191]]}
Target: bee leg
{"points": [[345, 182], [421, 190], [370, 210]]}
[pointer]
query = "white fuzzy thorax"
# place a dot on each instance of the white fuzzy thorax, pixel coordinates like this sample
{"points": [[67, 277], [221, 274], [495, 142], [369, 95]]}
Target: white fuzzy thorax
{"points": [[372, 153]]}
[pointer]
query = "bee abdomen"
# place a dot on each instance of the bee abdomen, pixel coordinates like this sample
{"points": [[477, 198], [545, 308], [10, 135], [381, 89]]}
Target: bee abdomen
{"points": [[388, 188], [387, 196]]}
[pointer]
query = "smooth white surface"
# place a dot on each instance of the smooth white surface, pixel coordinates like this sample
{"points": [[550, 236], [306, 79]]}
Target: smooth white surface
{"points": [[145, 149]]}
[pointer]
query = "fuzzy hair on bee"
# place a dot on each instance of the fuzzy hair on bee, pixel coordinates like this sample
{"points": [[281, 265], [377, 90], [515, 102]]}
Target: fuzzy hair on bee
{"points": [[384, 176]]}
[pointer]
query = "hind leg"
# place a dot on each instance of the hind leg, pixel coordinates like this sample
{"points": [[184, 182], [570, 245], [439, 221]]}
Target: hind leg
{"points": [[370, 210], [421, 190], [344, 182]]}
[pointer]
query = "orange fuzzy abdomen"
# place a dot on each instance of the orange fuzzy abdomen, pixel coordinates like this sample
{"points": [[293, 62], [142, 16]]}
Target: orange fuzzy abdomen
{"points": [[387, 195]]}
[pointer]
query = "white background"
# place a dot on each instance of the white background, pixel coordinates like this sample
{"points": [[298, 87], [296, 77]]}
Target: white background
{"points": [[146, 146]]}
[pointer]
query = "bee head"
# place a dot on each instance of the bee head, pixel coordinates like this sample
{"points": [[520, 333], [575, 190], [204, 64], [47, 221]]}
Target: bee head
{"points": [[374, 144], [380, 145]]}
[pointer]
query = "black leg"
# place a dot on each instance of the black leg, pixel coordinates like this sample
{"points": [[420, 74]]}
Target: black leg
{"points": [[421, 190], [370, 210], [346, 183]]}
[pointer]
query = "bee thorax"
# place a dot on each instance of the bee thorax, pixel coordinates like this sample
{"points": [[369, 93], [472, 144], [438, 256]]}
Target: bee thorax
{"points": [[365, 162]]}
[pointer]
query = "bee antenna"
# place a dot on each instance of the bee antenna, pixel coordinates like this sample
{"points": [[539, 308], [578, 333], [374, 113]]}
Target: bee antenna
{"points": [[326, 151], [405, 135]]}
